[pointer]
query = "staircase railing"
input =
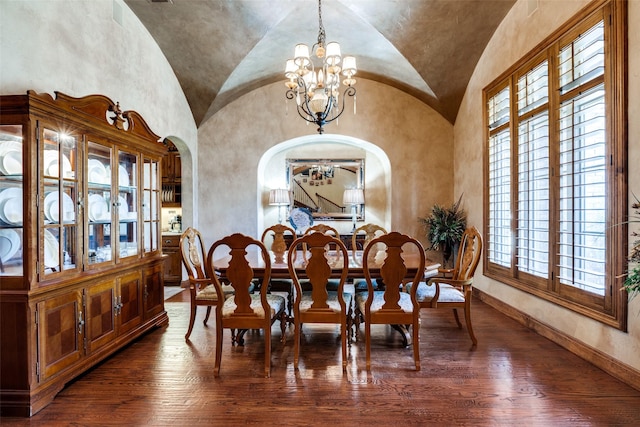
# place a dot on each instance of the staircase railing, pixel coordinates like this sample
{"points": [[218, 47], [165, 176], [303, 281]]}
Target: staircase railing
{"points": [[301, 198], [325, 205]]}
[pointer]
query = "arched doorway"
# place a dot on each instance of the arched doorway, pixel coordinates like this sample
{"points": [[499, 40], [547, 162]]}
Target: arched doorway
{"points": [[271, 173]]}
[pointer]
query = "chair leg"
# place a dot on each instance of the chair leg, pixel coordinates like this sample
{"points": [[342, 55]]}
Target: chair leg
{"points": [[267, 351], [455, 314], [283, 326], [416, 344], [296, 345], [343, 336], [367, 337], [467, 318], [219, 336], [192, 319], [357, 316], [206, 317]]}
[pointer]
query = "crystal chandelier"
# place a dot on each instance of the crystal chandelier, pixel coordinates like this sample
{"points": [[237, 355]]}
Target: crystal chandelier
{"points": [[316, 87]]}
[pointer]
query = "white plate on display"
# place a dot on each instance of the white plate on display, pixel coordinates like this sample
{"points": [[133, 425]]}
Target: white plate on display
{"points": [[301, 219], [54, 167], [48, 200], [11, 161], [7, 147], [123, 176], [98, 208], [50, 159], [11, 211], [9, 244], [51, 255], [123, 208], [52, 207], [97, 172], [11, 205]]}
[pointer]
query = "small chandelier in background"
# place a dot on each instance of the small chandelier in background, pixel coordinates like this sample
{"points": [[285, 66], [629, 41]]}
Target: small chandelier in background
{"points": [[316, 88]]}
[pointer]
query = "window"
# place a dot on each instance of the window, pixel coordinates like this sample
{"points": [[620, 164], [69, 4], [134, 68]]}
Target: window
{"points": [[556, 138]]}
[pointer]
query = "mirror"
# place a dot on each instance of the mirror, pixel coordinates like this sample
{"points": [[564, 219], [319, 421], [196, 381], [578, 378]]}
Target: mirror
{"points": [[319, 185]]}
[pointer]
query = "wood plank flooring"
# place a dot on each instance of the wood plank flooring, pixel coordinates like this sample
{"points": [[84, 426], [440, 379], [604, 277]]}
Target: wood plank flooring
{"points": [[513, 377]]}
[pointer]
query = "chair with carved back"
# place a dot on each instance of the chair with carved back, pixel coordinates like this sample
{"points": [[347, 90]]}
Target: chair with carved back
{"points": [[279, 248], [390, 305], [245, 309], [323, 229], [201, 289], [317, 304], [453, 287], [370, 231]]}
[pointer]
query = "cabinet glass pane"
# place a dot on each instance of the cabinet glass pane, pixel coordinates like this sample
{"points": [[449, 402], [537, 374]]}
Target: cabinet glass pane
{"points": [[98, 203], [58, 213], [151, 215], [11, 200], [127, 205]]}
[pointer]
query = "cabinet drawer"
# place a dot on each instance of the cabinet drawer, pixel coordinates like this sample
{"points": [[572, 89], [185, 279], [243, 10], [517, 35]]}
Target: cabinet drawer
{"points": [[170, 241]]}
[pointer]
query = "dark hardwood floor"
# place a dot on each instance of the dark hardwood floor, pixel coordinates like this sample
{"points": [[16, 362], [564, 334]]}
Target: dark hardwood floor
{"points": [[514, 377]]}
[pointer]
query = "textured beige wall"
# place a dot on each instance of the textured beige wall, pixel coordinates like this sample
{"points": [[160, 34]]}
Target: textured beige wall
{"points": [[76, 47], [517, 35], [416, 140]]}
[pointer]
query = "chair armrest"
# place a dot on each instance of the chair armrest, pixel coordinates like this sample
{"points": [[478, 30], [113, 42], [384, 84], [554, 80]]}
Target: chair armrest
{"points": [[460, 284], [196, 284], [446, 272]]}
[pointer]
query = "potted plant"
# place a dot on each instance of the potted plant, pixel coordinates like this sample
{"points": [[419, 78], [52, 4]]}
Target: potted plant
{"points": [[632, 281], [444, 228]]}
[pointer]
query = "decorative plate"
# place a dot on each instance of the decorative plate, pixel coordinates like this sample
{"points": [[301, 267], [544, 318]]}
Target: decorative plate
{"points": [[301, 218]]}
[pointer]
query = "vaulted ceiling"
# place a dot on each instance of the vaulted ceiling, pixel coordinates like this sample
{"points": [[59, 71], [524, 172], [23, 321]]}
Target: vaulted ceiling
{"points": [[222, 49]]}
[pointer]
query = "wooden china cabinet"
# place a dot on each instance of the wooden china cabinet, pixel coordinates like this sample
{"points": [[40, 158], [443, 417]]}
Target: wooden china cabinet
{"points": [[80, 247]]}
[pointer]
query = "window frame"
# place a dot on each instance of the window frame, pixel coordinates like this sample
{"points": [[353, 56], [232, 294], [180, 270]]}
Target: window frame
{"points": [[610, 308]]}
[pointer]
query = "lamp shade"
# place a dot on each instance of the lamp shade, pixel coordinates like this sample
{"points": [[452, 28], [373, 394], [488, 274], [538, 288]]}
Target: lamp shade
{"points": [[279, 197], [353, 196]]}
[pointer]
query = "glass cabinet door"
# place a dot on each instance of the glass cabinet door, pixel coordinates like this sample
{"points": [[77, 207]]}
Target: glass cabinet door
{"points": [[58, 204], [98, 203], [126, 205], [11, 200], [150, 197]]}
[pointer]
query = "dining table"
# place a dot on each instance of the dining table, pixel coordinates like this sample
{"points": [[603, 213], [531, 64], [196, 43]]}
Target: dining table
{"points": [[280, 270], [280, 267]]}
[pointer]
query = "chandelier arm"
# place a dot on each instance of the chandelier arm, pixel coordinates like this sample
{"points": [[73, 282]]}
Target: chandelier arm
{"points": [[350, 91], [291, 94]]}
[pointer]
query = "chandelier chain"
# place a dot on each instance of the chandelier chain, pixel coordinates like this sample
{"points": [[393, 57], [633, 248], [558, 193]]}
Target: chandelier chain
{"points": [[321, 32]]}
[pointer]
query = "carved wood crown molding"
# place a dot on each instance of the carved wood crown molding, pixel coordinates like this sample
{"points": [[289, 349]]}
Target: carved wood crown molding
{"points": [[103, 111]]}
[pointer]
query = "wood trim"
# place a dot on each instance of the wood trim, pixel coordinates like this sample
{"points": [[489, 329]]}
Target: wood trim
{"points": [[613, 367]]}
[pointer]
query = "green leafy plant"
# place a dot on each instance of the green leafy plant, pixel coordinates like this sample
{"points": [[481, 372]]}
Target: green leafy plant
{"points": [[632, 281], [444, 227]]}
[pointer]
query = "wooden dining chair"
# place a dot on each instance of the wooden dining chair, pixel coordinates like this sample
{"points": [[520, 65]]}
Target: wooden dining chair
{"points": [[390, 306], [318, 305], [323, 229], [370, 231], [453, 287], [279, 248], [244, 309], [202, 292]]}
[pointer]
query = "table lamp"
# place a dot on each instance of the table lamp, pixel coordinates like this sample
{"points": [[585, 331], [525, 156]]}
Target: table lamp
{"points": [[353, 197], [279, 197]]}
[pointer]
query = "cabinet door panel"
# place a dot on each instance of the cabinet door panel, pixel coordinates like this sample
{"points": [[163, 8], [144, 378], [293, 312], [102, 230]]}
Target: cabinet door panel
{"points": [[100, 326], [153, 291], [60, 333], [130, 302], [172, 266]]}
